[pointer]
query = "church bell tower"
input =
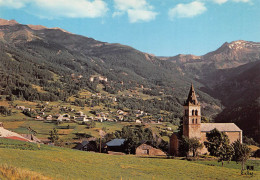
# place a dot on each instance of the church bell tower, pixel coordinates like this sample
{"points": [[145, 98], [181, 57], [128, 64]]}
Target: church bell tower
{"points": [[192, 116]]}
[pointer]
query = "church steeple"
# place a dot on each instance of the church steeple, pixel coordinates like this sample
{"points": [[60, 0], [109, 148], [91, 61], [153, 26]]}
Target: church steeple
{"points": [[192, 98], [192, 115]]}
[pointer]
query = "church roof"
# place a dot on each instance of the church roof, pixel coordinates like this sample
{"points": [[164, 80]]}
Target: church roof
{"points": [[231, 127], [192, 98]]}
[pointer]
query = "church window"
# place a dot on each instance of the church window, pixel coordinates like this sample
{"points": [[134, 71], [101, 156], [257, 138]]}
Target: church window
{"points": [[196, 121], [192, 112], [196, 112], [192, 121]]}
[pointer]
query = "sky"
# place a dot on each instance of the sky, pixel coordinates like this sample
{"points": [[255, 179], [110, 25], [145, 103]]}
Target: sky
{"points": [[159, 27]]}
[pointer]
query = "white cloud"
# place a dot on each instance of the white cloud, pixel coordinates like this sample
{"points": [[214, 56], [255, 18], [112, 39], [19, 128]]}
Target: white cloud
{"points": [[136, 15], [16, 4], [224, 1], [220, 1], [75, 8], [61, 8], [187, 10], [137, 10], [245, 1]]}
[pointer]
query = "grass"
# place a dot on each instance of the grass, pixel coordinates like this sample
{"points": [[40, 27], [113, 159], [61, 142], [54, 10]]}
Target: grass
{"points": [[13, 173], [38, 88], [62, 163], [232, 164]]}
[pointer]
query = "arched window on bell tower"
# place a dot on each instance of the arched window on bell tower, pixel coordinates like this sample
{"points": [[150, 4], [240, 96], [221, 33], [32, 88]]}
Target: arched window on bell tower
{"points": [[196, 112], [192, 112], [192, 121]]}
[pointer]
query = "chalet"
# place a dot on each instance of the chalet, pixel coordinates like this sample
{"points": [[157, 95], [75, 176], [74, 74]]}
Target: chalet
{"points": [[116, 145], [87, 145], [145, 149]]}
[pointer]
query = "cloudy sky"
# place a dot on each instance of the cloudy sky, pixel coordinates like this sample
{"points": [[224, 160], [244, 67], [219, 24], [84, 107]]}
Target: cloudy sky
{"points": [[160, 27]]}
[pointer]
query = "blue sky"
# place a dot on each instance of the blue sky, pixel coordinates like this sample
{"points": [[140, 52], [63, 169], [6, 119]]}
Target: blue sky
{"points": [[160, 27]]}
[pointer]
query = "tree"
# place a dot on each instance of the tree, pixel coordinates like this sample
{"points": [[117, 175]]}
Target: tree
{"points": [[189, 145], [226, 152], [242, 153], [54, 137], [218, 145], [194, 145]]}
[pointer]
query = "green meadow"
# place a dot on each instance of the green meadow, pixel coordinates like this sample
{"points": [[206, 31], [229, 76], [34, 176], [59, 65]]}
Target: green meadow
{"points": [[63, 163]]}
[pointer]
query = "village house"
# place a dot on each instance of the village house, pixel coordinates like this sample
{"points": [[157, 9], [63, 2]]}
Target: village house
{"points": [[20, 107], [193, 128], [116, 145], [49, 118], [87, 145], [82, 118], [80, 113], [145, 149], [39, 118], [138, 121], [64, 117]]}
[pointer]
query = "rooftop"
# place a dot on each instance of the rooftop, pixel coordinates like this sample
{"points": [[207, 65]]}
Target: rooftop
{"points": [[227, 127], [116, 142]]}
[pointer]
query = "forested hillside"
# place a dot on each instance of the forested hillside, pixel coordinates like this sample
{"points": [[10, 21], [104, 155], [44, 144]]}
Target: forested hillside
{"points": [[61, 64], [39, 63]]}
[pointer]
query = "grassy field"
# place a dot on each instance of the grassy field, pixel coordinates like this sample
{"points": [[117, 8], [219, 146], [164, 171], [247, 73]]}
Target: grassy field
{"points": [[13, 173], [232, 164], [62, 163]]}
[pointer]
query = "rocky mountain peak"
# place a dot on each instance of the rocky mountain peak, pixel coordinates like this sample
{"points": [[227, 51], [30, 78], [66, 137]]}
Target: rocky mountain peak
{"points": [[4, 22], [240, 45]]}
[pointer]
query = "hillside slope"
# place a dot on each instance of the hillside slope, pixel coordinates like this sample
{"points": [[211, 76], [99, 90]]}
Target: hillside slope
{"points": [[62, 163], [62, 63]]}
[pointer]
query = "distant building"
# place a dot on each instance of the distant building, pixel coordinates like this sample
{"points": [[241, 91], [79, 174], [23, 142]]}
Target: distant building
{"points": [[145, 149], [87, 145], [193, 128], [116, 145]]}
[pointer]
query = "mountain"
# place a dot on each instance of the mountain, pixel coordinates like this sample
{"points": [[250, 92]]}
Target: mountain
{"points": [[229, 55], [230, 74], [50, 64], [61, 64]]}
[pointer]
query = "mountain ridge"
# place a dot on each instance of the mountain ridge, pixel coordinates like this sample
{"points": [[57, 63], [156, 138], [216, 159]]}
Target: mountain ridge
{"points": [[38, 54]]}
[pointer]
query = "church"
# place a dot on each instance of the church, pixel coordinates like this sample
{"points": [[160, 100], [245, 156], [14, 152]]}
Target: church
{"points": [[193, 128]]}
